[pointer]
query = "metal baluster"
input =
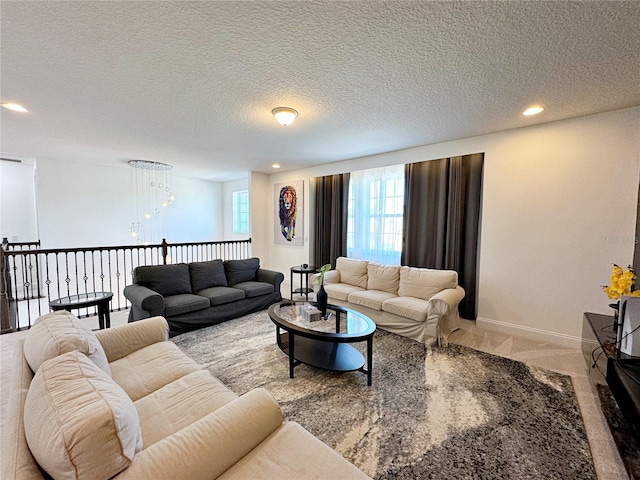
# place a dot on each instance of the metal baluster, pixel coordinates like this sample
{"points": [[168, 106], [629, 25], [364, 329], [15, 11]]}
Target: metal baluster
{"points": [[12, 299], [67, 278], [47, 282], [85, 278], [109, 267], [14, 293], [38, 281], [118, 271], [75, 268], [28, 284], [57, 275], [37, 295], [28, 276], [93, 270]]}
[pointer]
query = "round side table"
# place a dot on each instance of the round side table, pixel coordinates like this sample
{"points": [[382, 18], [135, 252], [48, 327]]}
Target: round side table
{"points": [[304, 272], [99, 299]]}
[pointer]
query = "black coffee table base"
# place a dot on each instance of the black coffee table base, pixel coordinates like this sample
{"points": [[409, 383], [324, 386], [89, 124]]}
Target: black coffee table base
{"points": [[334, 356]]}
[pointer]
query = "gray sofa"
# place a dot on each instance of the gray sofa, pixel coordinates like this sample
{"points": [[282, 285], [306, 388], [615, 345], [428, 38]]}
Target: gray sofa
{"points": [[199, 294]]}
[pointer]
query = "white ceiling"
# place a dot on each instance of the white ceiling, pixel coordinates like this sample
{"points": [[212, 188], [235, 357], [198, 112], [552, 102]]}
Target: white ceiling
{"points": [[193, 83]]}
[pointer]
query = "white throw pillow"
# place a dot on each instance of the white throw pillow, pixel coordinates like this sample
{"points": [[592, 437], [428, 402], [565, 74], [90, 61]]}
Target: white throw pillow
{"points": [[78, 421], [352, 272], [60, 332], [383, 277], [424, 283]]}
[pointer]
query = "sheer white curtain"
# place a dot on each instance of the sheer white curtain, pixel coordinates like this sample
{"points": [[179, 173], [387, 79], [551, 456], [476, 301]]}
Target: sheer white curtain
{"points": [[376, 208]]}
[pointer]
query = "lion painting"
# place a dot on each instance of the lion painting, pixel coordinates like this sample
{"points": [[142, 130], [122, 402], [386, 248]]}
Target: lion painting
{"points": [[288, 212]]}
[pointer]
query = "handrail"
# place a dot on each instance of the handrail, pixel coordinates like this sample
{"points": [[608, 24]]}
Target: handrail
{"points": [[30, 277], [21, 245]]}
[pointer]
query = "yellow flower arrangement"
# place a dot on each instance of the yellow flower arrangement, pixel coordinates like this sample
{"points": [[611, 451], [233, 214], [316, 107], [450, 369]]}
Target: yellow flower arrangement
{"points": [[622, 282]]}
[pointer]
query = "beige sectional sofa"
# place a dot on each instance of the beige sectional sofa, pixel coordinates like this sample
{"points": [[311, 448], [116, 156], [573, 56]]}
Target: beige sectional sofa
{"points": [[419, 303], [126, 403]]}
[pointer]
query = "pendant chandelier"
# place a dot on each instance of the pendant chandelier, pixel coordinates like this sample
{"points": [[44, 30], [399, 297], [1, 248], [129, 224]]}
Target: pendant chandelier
{"points": [[152, 195]]}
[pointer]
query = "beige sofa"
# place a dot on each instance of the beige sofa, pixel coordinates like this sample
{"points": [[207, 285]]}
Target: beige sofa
{"points": [[126, 403], [418, 303]]}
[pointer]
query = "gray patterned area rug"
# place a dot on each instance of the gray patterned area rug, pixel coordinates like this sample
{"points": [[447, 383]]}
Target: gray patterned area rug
{"points": [[431, 412]]}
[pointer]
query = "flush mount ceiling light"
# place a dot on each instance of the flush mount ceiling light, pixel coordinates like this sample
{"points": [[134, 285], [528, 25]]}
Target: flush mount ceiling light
{"points": [[533, 110], [284, 115], [14, 106], [275, 165]]}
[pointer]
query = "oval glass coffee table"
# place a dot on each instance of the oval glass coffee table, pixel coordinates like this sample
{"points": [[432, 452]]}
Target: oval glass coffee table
{"points": [[324, 343]]}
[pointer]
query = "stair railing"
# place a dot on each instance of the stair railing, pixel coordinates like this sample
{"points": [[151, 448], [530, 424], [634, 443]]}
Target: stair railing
{"points": [[31, 277]]}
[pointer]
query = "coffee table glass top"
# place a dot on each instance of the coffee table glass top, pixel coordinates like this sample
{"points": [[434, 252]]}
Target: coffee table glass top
{"points": [[351, 322]]}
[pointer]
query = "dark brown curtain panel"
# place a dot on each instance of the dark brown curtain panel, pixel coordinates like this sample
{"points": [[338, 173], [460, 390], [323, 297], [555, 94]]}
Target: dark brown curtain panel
{"points": [[442, 220], [331, 196]]}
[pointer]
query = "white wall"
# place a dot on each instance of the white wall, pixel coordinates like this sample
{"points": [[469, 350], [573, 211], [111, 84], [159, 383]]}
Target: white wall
{"points": [[83, 205], [18, 201], [559, 207], [259, 190]]}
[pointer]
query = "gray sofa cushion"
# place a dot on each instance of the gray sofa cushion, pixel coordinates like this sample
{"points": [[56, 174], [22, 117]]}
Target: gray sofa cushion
{"points": [[220, 295], [255, 289], [207, 275], [238, 271], [184, 303], [167, 280]]}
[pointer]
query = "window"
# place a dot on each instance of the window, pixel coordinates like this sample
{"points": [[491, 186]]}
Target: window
{"points": [[241, 211], [375, 218]]}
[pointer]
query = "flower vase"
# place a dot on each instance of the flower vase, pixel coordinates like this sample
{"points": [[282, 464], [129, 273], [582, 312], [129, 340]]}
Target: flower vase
{"points": [[321, 299]]}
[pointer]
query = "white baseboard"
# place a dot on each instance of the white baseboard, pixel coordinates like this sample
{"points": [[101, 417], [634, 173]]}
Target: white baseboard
{"points": [[530, 333]]}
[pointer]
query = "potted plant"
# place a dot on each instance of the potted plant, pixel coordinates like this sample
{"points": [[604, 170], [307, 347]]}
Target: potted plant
{"points": [[622, 283], [322, 270]]}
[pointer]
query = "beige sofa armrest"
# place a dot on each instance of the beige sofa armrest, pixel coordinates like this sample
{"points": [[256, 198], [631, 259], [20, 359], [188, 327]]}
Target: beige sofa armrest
{"points": [[293, 453], [17, 462], [120, 341], [208, 447], [442, 310], [445, 301], [332, 276]]}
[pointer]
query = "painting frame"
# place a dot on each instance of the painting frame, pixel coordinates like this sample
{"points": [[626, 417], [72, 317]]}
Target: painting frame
{"points": [[289, 213]]}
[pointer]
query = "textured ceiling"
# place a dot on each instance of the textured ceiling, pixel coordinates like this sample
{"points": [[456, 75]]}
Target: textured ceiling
{"points": [[193, 83]]}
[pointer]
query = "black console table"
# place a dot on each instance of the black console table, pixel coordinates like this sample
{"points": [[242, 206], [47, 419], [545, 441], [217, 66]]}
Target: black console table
{"points": [[621, 371]]}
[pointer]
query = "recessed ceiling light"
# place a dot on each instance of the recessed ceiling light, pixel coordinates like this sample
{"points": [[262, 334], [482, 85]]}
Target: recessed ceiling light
{"points": [[15, 107], [533, 110], [276, 165]]}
